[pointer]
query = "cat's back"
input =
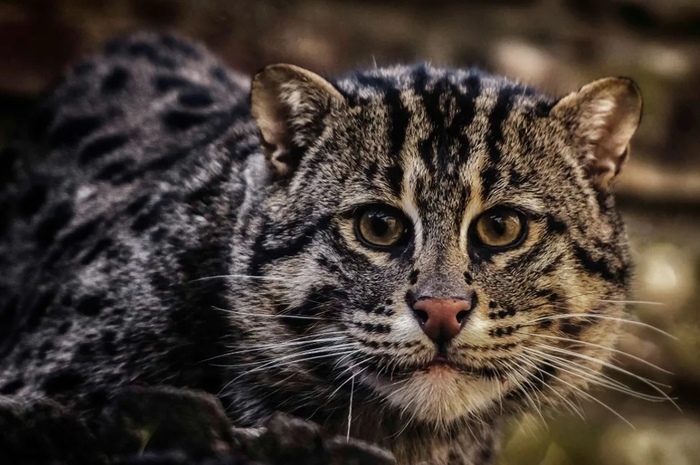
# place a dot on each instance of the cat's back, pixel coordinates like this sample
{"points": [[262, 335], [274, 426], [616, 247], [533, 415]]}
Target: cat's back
{"points": [[131, 113], [128, 148]]}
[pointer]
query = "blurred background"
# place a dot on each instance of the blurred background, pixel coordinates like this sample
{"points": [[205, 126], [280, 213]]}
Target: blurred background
{"points": [[555, 44]]}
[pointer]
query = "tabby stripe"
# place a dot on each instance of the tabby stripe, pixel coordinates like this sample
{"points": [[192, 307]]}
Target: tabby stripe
{"points": [[398, 119], [316, 304], [218, 123], [262, 256], [466, 110], [516, 178], [394, 175], [420, 79], [101, 146], [555, 225], [526, 260], [350, 255], [421, 189], [373, 328], [464, 194], [552, 266], [496, 119], [598, 267], [490, 174], [72, 242], [372, 82], [431, 103], [213, 186]]}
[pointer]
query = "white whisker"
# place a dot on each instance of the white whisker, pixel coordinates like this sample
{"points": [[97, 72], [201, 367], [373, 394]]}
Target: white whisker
{"points": [[610, 349], [289, 362], [352, 392], [267, 347], [570, 405], [581, 392], [633, 302], [597, 378], [602, 317], [656, 386], [274, 315], [236, 276]]}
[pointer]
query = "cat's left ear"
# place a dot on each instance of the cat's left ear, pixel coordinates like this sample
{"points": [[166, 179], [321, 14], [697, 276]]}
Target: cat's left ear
{"points": [[603, 115], [289, 105]]}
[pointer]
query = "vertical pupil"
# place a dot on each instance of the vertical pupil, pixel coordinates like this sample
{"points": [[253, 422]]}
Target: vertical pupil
{"points": [[498, 224], [380, 224]]}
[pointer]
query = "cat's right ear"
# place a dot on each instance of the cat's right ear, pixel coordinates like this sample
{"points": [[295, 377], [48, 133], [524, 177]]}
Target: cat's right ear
{"points": [[289, 105], [603, 115]]}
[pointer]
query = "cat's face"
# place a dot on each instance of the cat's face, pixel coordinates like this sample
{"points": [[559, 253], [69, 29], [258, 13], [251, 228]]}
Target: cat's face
{"points": [[444, 235]]}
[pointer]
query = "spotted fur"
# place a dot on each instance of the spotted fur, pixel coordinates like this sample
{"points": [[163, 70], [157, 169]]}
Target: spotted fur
{"points": [[150, 233]]}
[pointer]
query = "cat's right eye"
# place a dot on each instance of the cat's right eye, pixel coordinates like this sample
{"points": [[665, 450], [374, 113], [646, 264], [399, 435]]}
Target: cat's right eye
{"points": [[381, 227]]}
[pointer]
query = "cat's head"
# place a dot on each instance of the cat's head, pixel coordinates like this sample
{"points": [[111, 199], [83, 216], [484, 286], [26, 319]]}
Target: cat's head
{"points": [[445, 238]]}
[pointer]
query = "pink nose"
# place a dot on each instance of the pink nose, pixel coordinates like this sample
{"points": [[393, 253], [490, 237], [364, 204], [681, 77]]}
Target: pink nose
{"points": [[441, 319]]}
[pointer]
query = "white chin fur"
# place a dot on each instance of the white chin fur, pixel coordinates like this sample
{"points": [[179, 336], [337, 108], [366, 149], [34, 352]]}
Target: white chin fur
{"points": [[440, 395]]}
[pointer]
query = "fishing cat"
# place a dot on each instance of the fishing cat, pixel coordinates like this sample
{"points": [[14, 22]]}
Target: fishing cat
{"points": [[406, 254]]}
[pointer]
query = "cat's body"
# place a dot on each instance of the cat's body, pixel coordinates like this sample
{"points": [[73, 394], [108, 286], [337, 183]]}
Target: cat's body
{"points": [[149, 238]]}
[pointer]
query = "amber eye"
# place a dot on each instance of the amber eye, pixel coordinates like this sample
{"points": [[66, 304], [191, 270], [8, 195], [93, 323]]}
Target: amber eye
{"points": [[381, 226], [499, 227]]}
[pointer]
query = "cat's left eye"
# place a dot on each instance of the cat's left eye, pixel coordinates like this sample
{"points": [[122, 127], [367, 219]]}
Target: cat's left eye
{"points": [[381, 227], [499, 228]]}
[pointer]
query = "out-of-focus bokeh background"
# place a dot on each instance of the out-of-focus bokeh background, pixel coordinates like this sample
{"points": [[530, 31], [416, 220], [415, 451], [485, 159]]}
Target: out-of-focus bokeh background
{"points": [[556, 44]]}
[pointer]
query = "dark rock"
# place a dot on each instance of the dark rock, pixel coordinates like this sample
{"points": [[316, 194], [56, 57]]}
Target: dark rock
{"points": [[43, 432], [166, 426], [287, 440], [157, 419]]}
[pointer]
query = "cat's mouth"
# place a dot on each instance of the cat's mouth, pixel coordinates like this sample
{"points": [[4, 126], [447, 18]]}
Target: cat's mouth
{"points": [[439, 364], [442, 363]]}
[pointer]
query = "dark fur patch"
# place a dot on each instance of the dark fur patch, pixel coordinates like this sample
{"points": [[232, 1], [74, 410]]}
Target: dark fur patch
{"points": [[32, 200], [12, 387], [166, 83], [263, 256], [91, 305], [316, 305], [178, 120], [70, 131], [115, 81], [468, 278], [40, 306], [598, 267], [101, 147], [395, 176], [40, 122], [151, 53], [62, 380], [54, 222], [374, 328], [490, 175], [100, 247], [195, 98], [399, 117], [116, 171]]}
